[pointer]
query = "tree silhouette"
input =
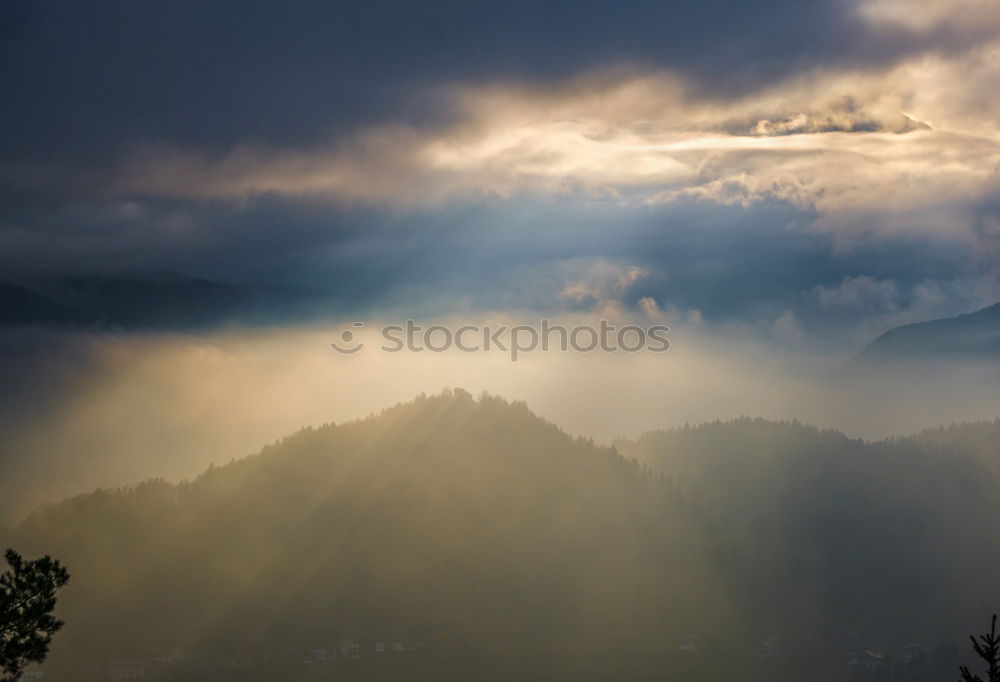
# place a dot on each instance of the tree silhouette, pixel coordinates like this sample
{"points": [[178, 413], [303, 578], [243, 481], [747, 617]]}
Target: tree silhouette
{"points": [[988, 649], [27, 597]]}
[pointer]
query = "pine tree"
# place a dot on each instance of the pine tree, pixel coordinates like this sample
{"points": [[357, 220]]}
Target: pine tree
{"points": [[27, 598], [988, 649]]}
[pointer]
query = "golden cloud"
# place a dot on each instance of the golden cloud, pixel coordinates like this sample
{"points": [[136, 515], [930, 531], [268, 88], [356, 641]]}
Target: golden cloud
{"points": [[901, 141]]}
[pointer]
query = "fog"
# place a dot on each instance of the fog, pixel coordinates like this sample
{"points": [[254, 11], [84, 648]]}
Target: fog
{"points": [[106, 409]]}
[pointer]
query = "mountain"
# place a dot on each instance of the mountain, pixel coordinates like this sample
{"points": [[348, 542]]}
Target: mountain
{"points": [[975, 336], [163, 300], [159, 300], [496, 546], [473, 523], [873, 536], [22, 306], [145, 301]]}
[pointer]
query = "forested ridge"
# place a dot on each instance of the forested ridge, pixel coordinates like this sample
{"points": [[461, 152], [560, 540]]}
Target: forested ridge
{"points": [[486, 534]]}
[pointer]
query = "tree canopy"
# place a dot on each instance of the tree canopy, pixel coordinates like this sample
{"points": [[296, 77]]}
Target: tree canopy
{"points": [[27, 599]]}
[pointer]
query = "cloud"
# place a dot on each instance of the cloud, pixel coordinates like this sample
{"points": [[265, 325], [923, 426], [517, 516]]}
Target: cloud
{"points": [[656, 126], [740, 165], [603, 286], [787, 329], [859, 308], [859, 294], [649, 307], [872, 153], [972, 18], [297, 74]]}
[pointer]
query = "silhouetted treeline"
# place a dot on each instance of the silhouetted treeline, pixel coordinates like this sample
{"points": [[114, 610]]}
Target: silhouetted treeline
{"points": [[852, 538]]}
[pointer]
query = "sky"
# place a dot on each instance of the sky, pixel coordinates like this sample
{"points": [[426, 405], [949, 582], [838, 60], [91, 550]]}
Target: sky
{"points": [[778, 181], [816, 171]]}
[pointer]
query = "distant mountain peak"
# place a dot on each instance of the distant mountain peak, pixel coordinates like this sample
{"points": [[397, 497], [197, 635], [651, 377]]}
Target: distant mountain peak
{"points": [[22, 306], [972, 336]]}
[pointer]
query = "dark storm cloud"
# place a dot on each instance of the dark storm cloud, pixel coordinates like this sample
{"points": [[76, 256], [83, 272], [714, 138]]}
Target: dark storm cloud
{"points": [[730, 263], [493, 254], [86, 80], [88, 84]]}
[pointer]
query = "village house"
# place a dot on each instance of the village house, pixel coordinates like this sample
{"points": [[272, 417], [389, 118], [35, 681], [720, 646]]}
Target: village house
{"points": [[349, 648]]}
